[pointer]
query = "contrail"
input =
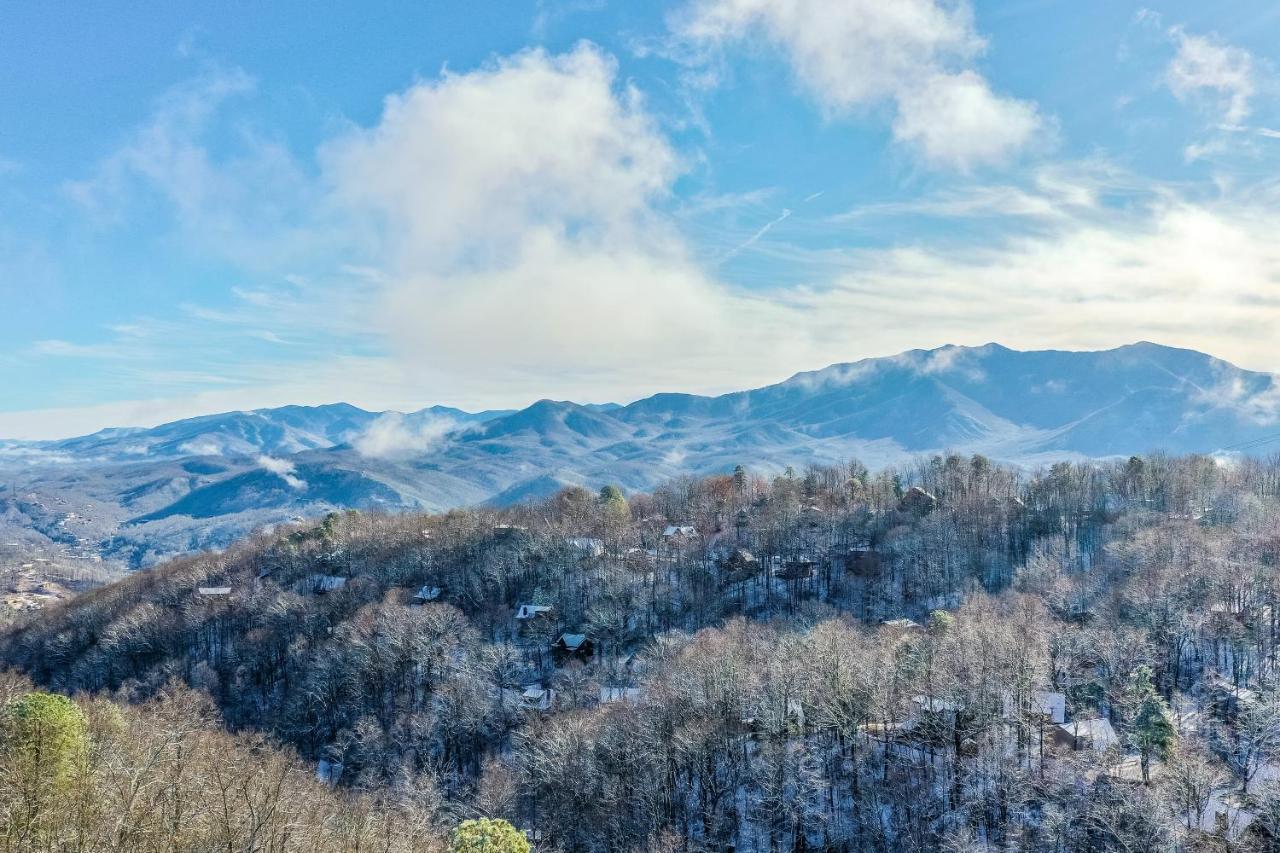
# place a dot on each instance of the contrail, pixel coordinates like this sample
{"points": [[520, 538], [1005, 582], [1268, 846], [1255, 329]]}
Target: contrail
{"points": [[764, 229]]}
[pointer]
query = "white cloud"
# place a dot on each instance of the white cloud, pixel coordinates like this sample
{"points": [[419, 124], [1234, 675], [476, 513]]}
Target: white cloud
{"points": [[957, 121], [520, 208], [856, 54], [284, 469], [1204, 65], [394, 434]]}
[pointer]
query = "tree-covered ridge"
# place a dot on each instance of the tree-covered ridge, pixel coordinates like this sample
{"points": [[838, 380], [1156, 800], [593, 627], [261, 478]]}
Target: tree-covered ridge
{"points": [[738, 686]]}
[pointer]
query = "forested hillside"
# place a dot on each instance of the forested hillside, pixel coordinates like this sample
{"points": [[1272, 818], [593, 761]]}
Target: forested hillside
{"points": [[954, 655]]}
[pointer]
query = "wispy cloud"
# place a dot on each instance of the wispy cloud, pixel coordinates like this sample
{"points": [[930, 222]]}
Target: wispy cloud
{"points": [[915, 54]]}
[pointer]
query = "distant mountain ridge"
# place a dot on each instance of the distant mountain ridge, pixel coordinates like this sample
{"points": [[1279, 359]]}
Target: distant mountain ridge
{"points": [[188, 483]]}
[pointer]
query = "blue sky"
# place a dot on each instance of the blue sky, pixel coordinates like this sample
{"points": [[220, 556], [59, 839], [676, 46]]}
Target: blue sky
{"points": [[216, 206]]}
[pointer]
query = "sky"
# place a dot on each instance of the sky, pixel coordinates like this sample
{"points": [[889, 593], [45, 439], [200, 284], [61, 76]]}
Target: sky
{"points": [[209, 207]]}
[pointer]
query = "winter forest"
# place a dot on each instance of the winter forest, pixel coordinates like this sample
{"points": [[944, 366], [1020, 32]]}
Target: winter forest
{"points": [[953, 656]]}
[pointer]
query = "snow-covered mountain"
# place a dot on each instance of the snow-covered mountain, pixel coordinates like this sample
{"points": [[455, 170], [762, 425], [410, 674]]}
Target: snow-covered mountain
{"points": [[197, 482]]}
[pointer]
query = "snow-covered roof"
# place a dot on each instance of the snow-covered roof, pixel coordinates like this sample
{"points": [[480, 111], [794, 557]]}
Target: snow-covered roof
{"points": [[937, 704], [587, 545], [326, 583], [328, 771], [530, 611], [214, 590], [901, 624], [1097, 732], [428, 593], [573, 642], [1044, 702], [1223, 815], [680, 530]]}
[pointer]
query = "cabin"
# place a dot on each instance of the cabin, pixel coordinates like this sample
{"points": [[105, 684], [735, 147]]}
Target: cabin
{"points": [[1129, 769], [428, 593], [1045, 705], [323, 584], [329, 772], [577, 646], [795, 569], [537, 698], [678, 532], [1079, 735], [213, 591], [508, 531], [902, 624], [918, 502], [1225, 815], [639, 558], [587, 548], [629, 695], [530, 612]]}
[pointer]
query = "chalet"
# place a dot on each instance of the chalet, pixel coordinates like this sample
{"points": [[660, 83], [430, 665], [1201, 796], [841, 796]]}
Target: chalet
{"points": [[577, 646], [586, 547], [797, 568], [322, 584], [529, 612], [1078, 735], [428, 593], [508, 531], [738, 566], [1129, 769], [1225, 816], [213, 591], [329, 772], [937, 705], [1048, 706], [640, 558], [918, 502], [537, 698]]}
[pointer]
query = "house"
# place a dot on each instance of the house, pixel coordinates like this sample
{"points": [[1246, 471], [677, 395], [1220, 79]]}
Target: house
{"points": [[1129, 769], [537, 697], [1224, 816], [529, 612], [918, 502], [1050, 707], [936, 705], [213, 591], [629, 695], [902, 625], [798, 568], [428, 593], [585, 546], [508, 531], [329, 772], [321, 584], [573, 645], [1096, 734], [639, 558], [679, 531]]}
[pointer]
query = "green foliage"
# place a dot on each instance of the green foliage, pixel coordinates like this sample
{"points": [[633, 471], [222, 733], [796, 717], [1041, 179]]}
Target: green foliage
{"points": [[614, 504], [487, 836], [1153, 731], [940, 621], [45, 736]]}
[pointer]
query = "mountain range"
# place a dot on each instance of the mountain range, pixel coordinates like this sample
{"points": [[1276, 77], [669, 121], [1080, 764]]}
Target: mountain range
{"points": [[136, 495]]}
